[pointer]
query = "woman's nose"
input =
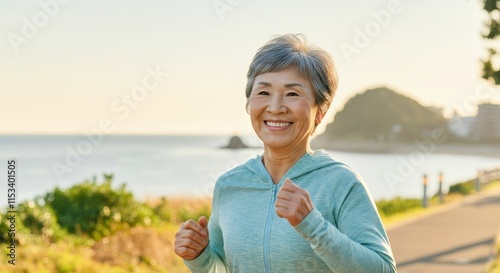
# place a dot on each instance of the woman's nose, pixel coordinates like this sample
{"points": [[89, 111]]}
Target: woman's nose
{"points": [[276, 105]]}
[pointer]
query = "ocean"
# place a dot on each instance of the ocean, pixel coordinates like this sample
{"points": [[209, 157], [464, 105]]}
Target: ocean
{"points": [[155, 166]]}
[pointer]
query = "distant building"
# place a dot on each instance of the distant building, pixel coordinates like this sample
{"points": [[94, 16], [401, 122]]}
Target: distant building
{"points": [[487, 123], [461, 127]]}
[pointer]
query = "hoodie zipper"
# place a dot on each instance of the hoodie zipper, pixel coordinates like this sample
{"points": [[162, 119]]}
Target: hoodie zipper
{"points": [[267, 230]]}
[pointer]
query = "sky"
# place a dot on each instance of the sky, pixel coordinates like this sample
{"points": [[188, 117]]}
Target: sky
{"points": [[179, 67]]}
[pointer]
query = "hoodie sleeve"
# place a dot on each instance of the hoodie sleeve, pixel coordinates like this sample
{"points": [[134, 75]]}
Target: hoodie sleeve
{"points": [[212, 259], [359, 243]]}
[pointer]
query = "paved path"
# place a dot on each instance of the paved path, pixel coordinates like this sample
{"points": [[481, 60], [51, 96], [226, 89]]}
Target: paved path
{"points": [[458, 239]]}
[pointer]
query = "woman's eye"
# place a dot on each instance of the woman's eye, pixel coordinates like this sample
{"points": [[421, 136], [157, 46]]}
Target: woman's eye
{"points": [[263, 93], [292, 94]]}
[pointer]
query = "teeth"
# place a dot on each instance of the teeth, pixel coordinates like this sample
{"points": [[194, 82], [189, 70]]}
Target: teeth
{"points": [[278, 124]]}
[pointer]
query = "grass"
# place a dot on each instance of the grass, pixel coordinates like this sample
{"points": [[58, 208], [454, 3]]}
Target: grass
{"points": [[415, 211], [141, 250]]}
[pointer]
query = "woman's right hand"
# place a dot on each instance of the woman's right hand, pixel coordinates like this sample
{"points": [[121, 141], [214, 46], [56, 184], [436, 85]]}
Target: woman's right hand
{"points": [[191, 239]]}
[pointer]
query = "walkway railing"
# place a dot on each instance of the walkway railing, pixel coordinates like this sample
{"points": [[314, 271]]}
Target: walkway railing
{"points": [[483, 178]]}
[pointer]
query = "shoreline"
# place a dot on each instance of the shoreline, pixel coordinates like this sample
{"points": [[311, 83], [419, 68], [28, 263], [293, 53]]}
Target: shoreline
{"points": [[486, 150]]}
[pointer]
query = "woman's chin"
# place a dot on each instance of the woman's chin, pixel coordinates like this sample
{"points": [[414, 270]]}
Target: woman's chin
{"points": [[276, 143]]}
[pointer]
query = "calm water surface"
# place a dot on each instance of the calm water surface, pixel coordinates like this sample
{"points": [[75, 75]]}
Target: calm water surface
{"points": [[189, 165]]}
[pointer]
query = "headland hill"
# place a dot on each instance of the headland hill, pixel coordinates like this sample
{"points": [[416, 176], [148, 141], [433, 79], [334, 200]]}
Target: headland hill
{"points": [[381, 120]]}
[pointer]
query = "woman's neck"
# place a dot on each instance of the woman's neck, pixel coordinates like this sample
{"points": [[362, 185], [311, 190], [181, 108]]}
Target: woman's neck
{"points": [[279, 161]]}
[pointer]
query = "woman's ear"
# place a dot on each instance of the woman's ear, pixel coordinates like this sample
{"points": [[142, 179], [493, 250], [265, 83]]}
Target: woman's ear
{"points": [[319, 117]]}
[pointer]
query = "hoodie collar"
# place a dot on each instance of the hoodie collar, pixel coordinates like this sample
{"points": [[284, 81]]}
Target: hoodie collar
{"points": [[307, 163]]}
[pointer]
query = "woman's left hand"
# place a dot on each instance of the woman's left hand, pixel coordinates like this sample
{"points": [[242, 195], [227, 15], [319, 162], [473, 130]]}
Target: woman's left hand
{"points": [[293, 203]]}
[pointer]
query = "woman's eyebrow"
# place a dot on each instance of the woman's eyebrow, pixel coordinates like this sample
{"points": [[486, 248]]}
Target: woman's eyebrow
{"points": [[264, 83], [288, 85]]}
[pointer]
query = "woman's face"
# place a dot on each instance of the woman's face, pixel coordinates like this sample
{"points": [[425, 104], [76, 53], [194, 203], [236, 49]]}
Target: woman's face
{"points": [[283, 109]]}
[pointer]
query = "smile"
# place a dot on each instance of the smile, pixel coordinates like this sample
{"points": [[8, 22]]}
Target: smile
{"points": [[278, 124]]}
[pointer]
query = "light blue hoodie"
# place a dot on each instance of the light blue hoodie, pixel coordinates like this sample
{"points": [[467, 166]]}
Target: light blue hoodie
{"points": [[343, 233]]}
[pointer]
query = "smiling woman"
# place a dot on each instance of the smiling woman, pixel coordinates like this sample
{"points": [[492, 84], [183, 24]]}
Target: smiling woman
{"points": [[283, 110], [292, 209]]}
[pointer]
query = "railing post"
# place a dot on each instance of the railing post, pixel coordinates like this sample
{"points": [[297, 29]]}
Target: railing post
{"points": [[440, 192], [425, 201], [478, 181]]}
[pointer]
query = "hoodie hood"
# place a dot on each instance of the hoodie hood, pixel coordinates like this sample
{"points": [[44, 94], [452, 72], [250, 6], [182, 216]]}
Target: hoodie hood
{"points": [[306, 164]]}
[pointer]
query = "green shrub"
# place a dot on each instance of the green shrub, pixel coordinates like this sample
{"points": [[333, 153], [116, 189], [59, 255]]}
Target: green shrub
{"points": [[4, 228], [397, 205], [31, 219], [163, 210], [39, 220], [463, 188], [98, 210]]}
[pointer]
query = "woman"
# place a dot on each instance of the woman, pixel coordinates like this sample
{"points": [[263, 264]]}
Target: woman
{"points": [[291, 209]]}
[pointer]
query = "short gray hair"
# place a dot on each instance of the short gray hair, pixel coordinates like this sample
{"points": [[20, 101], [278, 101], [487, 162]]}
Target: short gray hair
{"points": [[312, 63]]}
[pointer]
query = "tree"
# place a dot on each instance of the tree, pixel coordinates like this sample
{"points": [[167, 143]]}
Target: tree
{"points": [[491, 66]]}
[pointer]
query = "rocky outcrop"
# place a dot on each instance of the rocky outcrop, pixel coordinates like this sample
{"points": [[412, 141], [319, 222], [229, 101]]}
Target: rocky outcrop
{"points": [[235, 143]]}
